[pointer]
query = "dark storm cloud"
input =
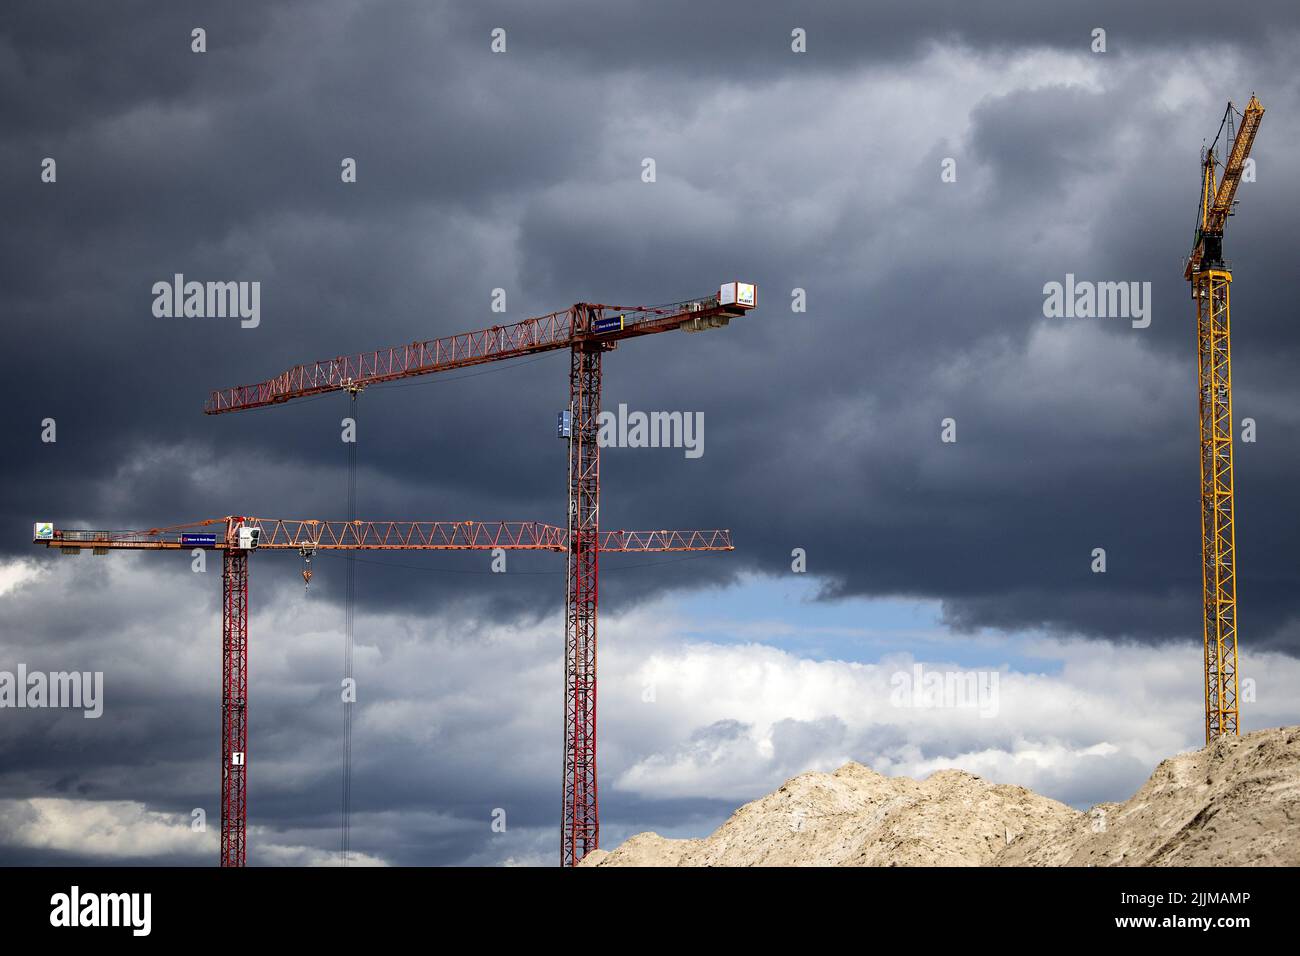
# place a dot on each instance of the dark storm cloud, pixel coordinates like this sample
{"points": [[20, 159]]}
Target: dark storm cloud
{"points": [[480, 171], [712, 38]]}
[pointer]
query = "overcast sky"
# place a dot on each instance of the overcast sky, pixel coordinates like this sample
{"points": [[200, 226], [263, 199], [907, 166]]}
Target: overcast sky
{"points": [[522, 170]]}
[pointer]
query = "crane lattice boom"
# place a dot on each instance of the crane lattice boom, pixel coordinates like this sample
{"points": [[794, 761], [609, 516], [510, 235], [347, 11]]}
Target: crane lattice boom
{"points": [[296, 534], [579, 324], [1217, 200]]}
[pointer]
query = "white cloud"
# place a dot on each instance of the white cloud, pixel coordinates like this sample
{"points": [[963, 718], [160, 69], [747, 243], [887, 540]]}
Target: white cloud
{"points": [[118, 828], [14, 574], [460, 717], [734, 721], [122, 830]]}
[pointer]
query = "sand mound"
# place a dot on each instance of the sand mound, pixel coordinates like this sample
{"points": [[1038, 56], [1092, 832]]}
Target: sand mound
{"points": [[1236, 802], [856, 817]]}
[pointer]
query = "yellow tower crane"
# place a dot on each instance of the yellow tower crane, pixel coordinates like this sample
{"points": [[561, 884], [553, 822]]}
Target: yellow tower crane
{"points": [[1211, 279]]}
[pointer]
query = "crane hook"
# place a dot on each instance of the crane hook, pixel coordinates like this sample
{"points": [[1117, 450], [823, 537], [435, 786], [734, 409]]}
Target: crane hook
{"points": [[306, 551]]}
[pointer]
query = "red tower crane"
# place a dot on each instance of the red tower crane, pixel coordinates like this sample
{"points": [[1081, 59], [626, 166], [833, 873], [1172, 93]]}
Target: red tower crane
{"points": [[237, 537], [588, 330]]}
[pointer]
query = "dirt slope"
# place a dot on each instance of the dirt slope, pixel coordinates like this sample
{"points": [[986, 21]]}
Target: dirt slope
{"points": [[1236, 802]]}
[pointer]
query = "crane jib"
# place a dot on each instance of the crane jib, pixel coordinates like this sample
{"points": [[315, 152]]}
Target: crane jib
{"points": [[562, 329]]}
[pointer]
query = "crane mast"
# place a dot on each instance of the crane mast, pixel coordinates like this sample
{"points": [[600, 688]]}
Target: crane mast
{"points": [[1210, 276], [580, 815], [234, 705]]}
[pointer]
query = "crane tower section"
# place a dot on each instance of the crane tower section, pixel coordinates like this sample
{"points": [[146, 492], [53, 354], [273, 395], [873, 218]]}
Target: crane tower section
{"points": [[1211, 280]]}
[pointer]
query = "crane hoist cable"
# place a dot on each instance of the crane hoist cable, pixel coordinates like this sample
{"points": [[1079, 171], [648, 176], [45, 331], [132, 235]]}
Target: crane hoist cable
{"points": [[1210, 151]]}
